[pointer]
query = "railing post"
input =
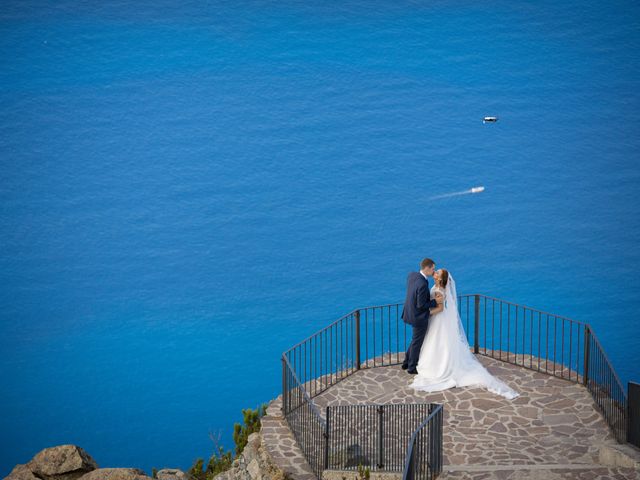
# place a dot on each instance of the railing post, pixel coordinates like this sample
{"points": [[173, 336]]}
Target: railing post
{"points": [[432, 440], [587, 352], [476, 325], [284, 386], [357, 315], [633, 414], [440, 440], [380, 436], [326, 440]]}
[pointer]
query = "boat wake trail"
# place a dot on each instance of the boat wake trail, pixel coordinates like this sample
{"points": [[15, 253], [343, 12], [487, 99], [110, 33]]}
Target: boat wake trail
{"points": [[455, 194]]}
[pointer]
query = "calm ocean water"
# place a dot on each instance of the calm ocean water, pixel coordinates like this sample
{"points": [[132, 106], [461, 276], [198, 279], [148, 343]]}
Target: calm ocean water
{"points": [[188, 189]]}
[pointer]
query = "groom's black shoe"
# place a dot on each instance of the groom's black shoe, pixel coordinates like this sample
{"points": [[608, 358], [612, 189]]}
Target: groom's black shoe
{"points": [[412, 371], [405, 366]]}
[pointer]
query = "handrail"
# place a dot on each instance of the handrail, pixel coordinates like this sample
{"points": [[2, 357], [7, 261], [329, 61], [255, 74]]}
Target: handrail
{"points": [[561, 317], [314, 409], [415, 432], [466, 295], [320, 331], [606, 358], [522, 306], [412, 441]]}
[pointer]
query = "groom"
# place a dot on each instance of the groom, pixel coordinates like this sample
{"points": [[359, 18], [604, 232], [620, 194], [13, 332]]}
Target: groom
{"points": [[416, 311]]}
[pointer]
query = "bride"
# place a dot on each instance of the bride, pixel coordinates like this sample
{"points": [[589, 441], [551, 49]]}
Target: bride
{"points": [[445, 359]]}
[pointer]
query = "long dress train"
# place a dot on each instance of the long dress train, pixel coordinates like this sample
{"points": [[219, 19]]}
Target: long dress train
{"points": [[445, 358]]}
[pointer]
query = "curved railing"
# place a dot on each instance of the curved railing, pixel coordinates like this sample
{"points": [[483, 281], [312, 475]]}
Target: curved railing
{"points": [[547, 343], [308, 426], [424, 455], [376, 336]]}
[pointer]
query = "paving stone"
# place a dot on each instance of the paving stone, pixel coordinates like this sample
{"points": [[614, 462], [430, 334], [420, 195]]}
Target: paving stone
{"points": [[560, 419]]}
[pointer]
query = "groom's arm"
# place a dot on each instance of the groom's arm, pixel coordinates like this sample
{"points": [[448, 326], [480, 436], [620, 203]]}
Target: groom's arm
{"points": [[424, 300]]}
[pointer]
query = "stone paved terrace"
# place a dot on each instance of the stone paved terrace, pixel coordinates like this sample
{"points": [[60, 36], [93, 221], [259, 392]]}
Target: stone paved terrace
{"points": [[552, 431]]}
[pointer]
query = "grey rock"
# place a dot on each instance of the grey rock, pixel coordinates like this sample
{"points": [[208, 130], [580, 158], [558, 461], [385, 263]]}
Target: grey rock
{"points": [[254, 441], [21, 472], [64, 462], [254, 469], [172, 474], [116, 474], [251, 450]]}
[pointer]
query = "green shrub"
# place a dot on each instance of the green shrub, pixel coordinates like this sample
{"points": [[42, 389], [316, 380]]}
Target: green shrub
{"points": [[251, 424], [221, 461], [196, 470], [218, 463], [363, 473]]}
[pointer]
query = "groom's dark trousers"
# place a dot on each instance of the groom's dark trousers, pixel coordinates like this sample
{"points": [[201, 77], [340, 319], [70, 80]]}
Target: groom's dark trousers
{"points": [[416, 313]]}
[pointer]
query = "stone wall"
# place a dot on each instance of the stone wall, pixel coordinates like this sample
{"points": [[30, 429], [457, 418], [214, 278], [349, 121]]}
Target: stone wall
{"points": [[254, 463]]}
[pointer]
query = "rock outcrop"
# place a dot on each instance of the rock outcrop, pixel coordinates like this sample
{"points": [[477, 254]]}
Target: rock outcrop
{"points": [[21, 472], [172, 474], [69, 462], [253, 464], [65, 462], [116, 474]]}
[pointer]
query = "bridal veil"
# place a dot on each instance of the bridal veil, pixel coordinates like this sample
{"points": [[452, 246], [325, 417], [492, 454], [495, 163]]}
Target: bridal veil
{"points": [[445, 358]]}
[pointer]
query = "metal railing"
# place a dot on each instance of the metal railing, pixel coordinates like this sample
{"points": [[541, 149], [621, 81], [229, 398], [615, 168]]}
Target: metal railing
{"points": [[524, 336], [324, 358], [605, 387], [376, 336], [547, 343], [424, 456], [368, 337], [374, 436], [303, 417]]}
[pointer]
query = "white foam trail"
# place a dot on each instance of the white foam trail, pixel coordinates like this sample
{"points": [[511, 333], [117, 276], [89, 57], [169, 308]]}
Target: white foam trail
{"points": [[455, 194]]}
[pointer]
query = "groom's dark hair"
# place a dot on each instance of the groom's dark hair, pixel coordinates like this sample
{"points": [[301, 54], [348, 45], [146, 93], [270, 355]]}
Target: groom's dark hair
{"points": [[426, 262]]}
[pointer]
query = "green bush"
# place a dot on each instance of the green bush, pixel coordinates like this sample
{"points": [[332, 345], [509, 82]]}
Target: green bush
{"points": [[196, 470], [218, 463], [363, 473], [251, 424], [221, 461]]}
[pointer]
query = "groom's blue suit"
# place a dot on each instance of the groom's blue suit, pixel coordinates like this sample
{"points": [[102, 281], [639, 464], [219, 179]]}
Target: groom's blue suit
{"points": [[416, 314]]}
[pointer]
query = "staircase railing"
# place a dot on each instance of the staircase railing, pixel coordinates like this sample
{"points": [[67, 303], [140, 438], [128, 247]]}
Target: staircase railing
{"points": [[424, 455]]}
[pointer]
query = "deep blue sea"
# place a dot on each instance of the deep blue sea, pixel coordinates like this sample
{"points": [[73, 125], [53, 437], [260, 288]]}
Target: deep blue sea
{"points": [[189, 188]]}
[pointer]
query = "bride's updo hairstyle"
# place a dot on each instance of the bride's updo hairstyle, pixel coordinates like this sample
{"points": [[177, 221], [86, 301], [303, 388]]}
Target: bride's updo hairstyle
{"points": [[444, 278]]}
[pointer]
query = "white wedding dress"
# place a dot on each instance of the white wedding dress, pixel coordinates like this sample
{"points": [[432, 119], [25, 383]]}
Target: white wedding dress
{"points": [[445, 359]]}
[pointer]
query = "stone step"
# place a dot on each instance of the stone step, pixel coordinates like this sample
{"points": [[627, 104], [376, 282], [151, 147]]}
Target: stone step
{"points": [[281, 445], [583, 471], [537, 466]]}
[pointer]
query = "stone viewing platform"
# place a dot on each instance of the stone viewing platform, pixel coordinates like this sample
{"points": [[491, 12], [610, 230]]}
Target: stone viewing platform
{"points": [[553, 430], [347, 404]]}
